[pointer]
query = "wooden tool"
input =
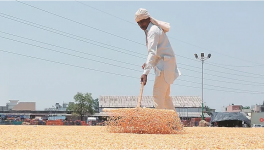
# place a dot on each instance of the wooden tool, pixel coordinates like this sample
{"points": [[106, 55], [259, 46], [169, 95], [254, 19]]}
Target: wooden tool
{"points": [[138, 104], [140, 95]]}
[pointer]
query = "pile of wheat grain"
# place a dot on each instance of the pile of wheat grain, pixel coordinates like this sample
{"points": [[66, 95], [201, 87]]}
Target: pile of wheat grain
{"points": [[144, 120]]}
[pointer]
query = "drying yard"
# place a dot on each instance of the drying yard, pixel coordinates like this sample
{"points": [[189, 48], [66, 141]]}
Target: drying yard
{"points": [[97, 137]]}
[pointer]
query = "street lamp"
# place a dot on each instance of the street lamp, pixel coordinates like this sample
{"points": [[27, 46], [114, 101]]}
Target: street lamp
{"points": [[54, 109], [202, 59]]}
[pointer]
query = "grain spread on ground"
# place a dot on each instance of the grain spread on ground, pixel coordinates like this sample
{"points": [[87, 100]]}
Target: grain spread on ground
{"points": [[97, 137]]}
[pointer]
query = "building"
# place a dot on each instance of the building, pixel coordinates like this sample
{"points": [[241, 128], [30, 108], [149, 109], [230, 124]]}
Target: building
{"points": [[16, 105], [30, 106], [239, 108], [186, 106], [3, 108], [51, 115], [234, 108], [257, 115], [28, 110], [11, 104], [257, 118], [59, 107], [258, 108], [57, 111]]}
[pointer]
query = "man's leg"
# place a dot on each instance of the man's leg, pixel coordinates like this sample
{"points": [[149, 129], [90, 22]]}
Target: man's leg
{"points": [[168, 100], [159, 91]]}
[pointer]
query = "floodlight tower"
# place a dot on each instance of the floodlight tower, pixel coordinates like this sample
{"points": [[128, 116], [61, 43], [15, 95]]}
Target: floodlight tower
{"points": [[202, 59]]}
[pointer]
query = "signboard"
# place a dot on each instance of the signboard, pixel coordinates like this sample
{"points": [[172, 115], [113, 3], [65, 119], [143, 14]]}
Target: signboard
{"points": [[257, 118]]}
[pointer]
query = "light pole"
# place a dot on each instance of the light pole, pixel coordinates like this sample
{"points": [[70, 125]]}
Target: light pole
{"points": [[54, 113], [202, 59]]}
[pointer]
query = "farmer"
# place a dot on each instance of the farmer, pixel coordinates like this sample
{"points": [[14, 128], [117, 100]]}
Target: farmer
{"points": [[160, 57]]}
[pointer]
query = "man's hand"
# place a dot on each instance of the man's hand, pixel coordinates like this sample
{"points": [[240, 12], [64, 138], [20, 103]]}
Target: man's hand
{"points": [[143, 66], [144, 79]]}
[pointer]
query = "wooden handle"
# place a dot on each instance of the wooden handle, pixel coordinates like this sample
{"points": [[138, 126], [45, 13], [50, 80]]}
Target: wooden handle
{"points": [[140, 95]]}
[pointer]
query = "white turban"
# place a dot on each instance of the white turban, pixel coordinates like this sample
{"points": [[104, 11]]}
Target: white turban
{"points": [[143, 14]]}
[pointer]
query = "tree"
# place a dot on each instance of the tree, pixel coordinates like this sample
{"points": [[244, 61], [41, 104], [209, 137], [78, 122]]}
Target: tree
{"points": [[84, 104], [208, 110], [70, 107], [246, 107]]}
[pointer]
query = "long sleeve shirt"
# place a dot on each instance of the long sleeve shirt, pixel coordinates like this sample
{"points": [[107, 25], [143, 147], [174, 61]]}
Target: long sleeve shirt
{"points": [[159, 48]]}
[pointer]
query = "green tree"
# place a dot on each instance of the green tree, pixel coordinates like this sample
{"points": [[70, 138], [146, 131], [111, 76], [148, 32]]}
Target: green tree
{"points": [[208, 110], [70, 107], [84, 104], [246, 107]]}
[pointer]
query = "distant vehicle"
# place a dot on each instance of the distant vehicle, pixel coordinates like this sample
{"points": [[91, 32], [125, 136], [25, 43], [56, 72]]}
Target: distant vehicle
{"points": [[91, 120], [257, 126]]}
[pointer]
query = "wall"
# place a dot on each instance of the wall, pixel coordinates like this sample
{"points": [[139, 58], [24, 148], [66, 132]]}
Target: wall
{"points": [[12, 104], [233, 108], [257, 118], [3, 108]]}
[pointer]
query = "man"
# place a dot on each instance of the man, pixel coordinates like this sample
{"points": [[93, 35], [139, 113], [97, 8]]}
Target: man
{"points": [[160, 57]]}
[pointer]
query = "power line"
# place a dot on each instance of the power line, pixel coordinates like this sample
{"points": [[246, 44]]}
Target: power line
{"points": [[66, 64], [236, 70], [107, 71], [222, 72], [221, 76], [71, 49], [57, 62], [173, 37], [220, 86], [218, 52], [110, 58], [67, 35], [170, 37], [118, 61], [94, 27], [80, 23], [23, 21], [109, 48], [110, 63], [108, 32], [57, 51], [225, 81], [106, 13], [237, 66], [121, 51]]}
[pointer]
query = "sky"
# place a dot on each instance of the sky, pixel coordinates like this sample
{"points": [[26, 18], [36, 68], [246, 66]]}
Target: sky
{"points": [[49, 51]]}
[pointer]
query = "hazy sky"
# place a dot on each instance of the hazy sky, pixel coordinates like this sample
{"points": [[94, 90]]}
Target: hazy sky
{"points": [[231, 31]]}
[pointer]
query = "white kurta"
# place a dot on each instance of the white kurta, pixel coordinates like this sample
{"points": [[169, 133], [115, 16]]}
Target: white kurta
{"points": [[161, 57], [160, 54]]}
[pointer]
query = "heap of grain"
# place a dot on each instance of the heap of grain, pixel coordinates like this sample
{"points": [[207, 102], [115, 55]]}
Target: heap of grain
{"points": [[144, 120], [25, 123], [203, 123]]}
